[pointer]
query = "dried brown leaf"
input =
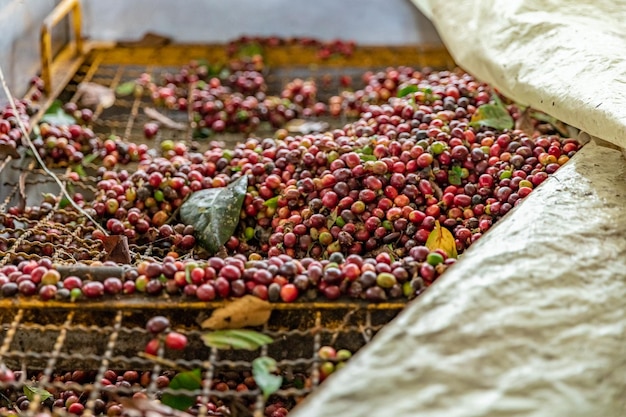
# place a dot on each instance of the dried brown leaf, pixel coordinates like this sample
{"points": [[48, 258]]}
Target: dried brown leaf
{"points": [[8, 150], [117, 250], [164, 120], [243, 312], [94, 95]]}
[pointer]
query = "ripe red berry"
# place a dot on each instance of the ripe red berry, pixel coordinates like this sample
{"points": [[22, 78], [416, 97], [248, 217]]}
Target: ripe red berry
{"points": [[152, 348], [289, 293], [175, 341]]}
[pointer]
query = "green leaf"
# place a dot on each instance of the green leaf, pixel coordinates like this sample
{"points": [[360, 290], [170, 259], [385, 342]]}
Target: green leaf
{"points": [[332, 217], [214, 213], [31, 392], [272, 202], [64, 203], [455, 175], [263, 369], [188, 268], [249, 50], [55, 115], [64, 200], [493, 115], [236, 339], [409, 89], [80, 170], [89, 158], [366, 158], [190, 380], [126, 88]]}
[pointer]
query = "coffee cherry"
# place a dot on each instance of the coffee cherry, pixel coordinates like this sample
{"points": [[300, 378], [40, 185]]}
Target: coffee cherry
{"points": [[175, 341], [157, 324]]}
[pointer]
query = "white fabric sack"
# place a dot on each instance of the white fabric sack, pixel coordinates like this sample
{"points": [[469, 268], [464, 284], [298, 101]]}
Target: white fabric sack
{"points": [[564, 57]]}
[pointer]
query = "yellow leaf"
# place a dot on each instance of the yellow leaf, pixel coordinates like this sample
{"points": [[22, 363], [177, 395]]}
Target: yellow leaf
{"points": [[441, 238], [243, 312]]}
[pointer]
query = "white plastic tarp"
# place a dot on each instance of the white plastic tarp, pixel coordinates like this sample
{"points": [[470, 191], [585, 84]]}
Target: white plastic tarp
{"points": [[564, 57]]}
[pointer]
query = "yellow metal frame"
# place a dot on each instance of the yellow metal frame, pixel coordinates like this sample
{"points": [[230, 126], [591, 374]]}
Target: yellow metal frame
{"points": [[58, 14], [172, 304], [57, 72]]}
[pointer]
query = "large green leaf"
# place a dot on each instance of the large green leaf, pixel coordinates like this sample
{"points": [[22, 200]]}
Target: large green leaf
{"points": [[236, 339], [55, 115], [31, 392], [493, 115], [263, 369], [190, 380], [214, 213]]}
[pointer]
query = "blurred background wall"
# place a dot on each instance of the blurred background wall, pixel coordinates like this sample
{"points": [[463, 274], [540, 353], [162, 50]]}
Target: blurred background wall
{"points": [[370, 22]]}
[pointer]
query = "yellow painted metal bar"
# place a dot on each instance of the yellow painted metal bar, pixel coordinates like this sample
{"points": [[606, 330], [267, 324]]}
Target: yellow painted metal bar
{"points": [[62, 10], [284, 56], [143, 303]]}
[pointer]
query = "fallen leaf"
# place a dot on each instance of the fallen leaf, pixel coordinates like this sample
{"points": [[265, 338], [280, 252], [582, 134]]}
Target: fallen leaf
{"points": [[263, 369], [243, 312], [117, 250], [442, 238], [332, 218], [272, 202], [55, 115], [94, 95], [191, 381], [126, 89], [214, 213], [236, 339], [493, 115], [405, 91], [31, 392], [366, 158], [8, 150], [454, 175], [164, 120]]}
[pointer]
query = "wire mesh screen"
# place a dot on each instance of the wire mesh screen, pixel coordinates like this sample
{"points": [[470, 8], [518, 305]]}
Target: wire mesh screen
{"points": [[94, 355], [62, 353]]}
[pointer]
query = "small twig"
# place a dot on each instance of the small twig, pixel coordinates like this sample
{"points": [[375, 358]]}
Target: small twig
{"points": [[26, 137], [175, 213], [162, 361], [344, 324]]}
